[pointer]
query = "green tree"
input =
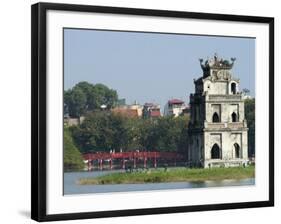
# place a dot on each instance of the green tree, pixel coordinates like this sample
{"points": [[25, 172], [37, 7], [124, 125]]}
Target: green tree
{"points": [[173, 132], [164, 134], [250, 117], [85, 97], [88, 90], [101, 131], [105, 131], [75, 101], [149, 135], [105, 96], [133, 126], [72, 158]]}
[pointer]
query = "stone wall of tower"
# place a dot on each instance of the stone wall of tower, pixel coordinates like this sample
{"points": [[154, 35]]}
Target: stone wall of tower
{"points": [[216, 88], [226, 140], [196, 149], [226, 109]]}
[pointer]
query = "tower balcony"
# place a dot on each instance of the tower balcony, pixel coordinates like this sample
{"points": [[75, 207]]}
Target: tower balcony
{"points": [[225, 125], [223, 98]]}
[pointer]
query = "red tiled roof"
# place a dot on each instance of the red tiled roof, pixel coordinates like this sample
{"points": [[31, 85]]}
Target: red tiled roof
{"points": [[155, 113], [175, 101], [126, 112]]}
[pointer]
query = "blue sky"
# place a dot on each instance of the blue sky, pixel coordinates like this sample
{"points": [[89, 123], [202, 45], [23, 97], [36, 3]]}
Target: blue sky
{"points": [[150, 67]]}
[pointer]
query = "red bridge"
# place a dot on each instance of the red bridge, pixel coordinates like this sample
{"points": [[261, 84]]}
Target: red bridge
{"points": [[135, 156]]}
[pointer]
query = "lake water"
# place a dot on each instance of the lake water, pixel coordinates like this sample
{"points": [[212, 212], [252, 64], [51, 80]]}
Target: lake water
{"points": [[71, 185]]}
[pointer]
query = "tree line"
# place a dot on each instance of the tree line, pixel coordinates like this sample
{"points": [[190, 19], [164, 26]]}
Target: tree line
{"points": [[103, 130], [107, 131]]}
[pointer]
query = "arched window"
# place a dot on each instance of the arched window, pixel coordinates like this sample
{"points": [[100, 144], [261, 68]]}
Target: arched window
{"points": [[216, 118], [233, 88], [215, 152], [234, 117], [237, 151]]}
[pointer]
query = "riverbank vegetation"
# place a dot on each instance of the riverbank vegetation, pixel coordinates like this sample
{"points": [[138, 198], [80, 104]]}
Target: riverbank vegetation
{"points": [[172, 175], [72, 159]]}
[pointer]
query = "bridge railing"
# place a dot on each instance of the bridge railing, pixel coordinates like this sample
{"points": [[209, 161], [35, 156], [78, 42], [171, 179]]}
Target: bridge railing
{"points": [[127, 155], [144, 156]]}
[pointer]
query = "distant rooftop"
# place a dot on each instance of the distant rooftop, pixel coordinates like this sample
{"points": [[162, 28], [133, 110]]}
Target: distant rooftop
{"points": [[155, 113], [126, 112], [175, 101], [151, 105]]}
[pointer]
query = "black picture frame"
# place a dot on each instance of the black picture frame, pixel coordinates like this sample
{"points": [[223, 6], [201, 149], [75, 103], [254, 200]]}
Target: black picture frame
{"points": [[39, 114]]}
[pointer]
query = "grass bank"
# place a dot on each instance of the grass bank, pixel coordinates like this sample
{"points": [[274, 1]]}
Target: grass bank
{"points": [[172, 175]]}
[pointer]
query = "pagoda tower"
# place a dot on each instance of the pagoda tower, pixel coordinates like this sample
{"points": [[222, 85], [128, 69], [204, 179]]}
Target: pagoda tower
{"points": [[218, 133]]}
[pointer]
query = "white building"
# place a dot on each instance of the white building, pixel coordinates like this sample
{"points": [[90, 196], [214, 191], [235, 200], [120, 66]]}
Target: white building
{"points": [[218, 133], [151, 110], [174, 107]]}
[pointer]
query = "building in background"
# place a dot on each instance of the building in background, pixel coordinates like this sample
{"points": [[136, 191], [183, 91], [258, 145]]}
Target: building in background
{"points": [[136, 106], [186, 111], [72, 121], [133, 110], [151, 110], [174, 107], [218, 133]]}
